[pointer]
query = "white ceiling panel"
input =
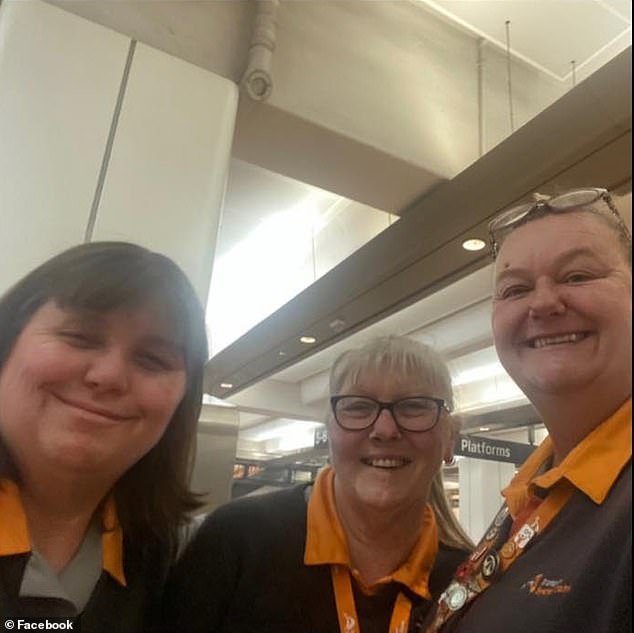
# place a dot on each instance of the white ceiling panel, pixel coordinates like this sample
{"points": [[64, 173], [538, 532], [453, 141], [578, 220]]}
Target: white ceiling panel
{"points": [[548, 34]]}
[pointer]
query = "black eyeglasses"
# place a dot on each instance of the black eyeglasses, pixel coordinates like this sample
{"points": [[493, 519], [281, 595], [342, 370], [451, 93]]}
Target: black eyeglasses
{"points": [[417, 414], [564, 202]]}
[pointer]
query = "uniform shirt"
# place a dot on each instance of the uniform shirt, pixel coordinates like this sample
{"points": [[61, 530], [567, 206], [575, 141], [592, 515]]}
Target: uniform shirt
{"points": [[250, 568], [326, 545], [576, 576], [42, 591]]}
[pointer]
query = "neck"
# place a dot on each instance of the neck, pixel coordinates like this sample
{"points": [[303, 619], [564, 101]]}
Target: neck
{"points": [[379, 540], [59, 511], [570, 420]]}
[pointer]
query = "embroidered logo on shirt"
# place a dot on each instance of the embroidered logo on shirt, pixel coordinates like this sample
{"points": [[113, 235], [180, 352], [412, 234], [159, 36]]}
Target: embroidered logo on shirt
{"points": [[542, 586]]}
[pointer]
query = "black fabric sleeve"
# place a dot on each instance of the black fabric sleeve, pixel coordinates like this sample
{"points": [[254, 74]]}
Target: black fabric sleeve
{"points": [[201, 585]]}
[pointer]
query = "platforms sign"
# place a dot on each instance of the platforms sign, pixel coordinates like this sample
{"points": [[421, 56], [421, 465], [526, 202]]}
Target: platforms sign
{"points": [[493, 450]]}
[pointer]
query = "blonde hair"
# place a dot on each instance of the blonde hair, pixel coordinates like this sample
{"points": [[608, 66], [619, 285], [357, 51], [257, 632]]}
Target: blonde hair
{"points": [[401, 355]]}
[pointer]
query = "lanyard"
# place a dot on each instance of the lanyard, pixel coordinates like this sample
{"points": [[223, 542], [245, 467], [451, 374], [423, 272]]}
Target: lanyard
{"points": [[488, 561], [347, 612]]}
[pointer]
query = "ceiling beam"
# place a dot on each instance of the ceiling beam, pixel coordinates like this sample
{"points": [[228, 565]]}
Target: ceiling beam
{"points": [[584, 138]]}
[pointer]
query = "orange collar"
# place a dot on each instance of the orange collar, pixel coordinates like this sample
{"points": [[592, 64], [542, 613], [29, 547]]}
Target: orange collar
{"points": [[326, 541], [592, 466], [14, 531]]}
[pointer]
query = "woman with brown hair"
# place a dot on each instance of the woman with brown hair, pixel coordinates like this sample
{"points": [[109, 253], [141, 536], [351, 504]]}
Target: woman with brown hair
{"points": [[102, 350]]}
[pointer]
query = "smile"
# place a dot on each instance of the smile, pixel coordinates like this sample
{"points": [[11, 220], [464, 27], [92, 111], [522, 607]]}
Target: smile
{"points": [[94, 410], [386, 462], [558, 339]]}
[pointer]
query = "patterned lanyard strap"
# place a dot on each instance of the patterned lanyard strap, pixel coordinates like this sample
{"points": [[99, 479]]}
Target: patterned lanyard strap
{"points": [[489, 560], [347, 612]]}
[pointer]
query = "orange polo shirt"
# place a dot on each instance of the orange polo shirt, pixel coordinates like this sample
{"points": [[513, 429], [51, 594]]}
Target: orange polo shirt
{"points": [[592, 466], [326, 541], [14, 532]]}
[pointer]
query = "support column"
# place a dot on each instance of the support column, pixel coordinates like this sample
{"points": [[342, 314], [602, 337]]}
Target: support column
{"points": [[480, 484]]}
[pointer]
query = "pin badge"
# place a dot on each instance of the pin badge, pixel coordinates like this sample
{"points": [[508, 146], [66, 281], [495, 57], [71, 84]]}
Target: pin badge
{"points": [[491, 534], [477, 553], [456, 596], [524, 535], [508, 549], [490, 565]]}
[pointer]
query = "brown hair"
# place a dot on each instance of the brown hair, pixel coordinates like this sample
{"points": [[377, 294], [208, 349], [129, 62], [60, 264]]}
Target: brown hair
{"points": [[401, 355], [152, 496]]}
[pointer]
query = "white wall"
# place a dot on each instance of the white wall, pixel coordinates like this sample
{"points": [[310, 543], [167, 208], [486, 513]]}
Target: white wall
{"points": [[60, 78]]}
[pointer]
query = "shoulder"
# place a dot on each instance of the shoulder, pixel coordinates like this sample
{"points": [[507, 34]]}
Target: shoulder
{"points": [[264, 507], [447, 560], [255, 517]]}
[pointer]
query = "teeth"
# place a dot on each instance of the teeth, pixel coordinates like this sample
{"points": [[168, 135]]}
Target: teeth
{"points": [[386, 463], [556, 340]]}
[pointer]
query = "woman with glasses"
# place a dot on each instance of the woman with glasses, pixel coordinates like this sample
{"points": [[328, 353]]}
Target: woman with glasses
{"points": [[365, 547], [558, 555]]}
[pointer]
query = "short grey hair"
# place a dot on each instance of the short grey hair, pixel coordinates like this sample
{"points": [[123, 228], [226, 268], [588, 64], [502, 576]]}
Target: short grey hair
{"points": [[398, 355]]}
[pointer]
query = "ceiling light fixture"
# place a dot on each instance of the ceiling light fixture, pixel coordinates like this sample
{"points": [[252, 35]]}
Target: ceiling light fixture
{"points": [[484, 428], [474, 244], [308, 340], [226, 385]]}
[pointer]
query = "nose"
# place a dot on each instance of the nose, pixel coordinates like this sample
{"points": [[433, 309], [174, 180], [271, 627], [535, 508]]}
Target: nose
{"points": [[107, 371], [546, 300], [385, 427]]}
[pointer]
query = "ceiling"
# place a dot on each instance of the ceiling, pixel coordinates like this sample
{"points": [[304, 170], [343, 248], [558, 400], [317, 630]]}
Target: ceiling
{"points": [[406, 107]]}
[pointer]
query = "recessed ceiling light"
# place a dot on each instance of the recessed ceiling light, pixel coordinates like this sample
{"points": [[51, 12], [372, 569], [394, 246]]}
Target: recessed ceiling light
{"points": [[308, 340], [485, 428], [226, 385], [474, 244], [281, 353]]}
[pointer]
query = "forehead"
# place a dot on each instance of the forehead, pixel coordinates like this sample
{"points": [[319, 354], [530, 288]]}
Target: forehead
{"points": [[555, 235]]}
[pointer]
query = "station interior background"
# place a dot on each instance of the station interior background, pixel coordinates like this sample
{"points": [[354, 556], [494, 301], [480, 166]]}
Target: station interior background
{"points": [[322, 206]]}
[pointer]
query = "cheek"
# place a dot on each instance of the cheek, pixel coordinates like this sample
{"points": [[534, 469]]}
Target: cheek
{"points": [[161, 396], [434, 446], [342, 445]]}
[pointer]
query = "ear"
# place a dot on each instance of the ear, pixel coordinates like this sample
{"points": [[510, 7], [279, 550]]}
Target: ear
{"points": [[454, 424]]}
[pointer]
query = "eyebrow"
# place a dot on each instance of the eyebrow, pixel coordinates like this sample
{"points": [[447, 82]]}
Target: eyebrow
{"points": [[564, 258]]}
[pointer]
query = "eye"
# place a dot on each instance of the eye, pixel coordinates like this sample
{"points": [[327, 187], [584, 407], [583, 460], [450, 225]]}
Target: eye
{"points": [[154, 362], [415, 407], [578, 277], [512, 292], [79, 338], [356, 407]]}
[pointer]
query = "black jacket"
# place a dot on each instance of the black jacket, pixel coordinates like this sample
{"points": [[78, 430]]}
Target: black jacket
{"points": [[244, 573]]}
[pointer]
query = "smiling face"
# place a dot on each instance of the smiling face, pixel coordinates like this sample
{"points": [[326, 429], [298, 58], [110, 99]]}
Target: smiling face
{"points": [[383, 467], [562, 312], [89, 393]]}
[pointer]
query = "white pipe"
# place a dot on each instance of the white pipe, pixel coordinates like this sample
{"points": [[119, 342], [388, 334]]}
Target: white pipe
{"points": [[257, 80], [481, 103]]}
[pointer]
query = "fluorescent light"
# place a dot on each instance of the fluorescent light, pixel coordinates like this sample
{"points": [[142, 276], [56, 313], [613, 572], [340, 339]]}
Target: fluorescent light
{"points": [[308, 340], [478, 373]]}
